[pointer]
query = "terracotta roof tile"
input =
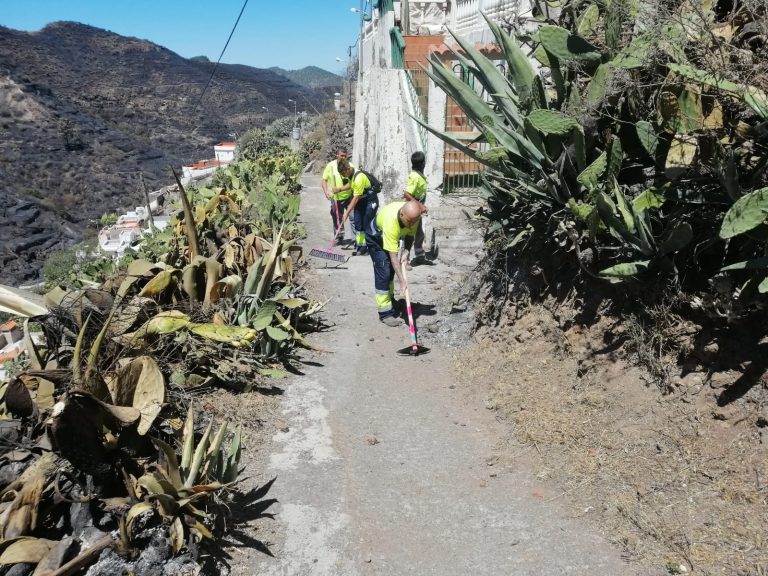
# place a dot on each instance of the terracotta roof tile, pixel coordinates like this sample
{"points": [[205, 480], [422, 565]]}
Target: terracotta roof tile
{"points": [[8, 356], [487, 49]]}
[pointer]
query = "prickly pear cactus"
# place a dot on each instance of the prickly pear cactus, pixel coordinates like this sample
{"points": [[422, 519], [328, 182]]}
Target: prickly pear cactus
{"points": [[552, 122], [566, 46]]}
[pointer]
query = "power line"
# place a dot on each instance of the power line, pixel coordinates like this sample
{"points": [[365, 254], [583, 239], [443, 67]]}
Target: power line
{"points": [[222, 52]]}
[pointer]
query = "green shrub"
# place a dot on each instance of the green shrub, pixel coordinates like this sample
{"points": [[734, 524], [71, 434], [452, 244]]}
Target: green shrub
{"points": [[620, 157]]}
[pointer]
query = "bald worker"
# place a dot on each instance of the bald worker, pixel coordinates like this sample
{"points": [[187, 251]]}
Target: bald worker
{"points": [[382, 237]]}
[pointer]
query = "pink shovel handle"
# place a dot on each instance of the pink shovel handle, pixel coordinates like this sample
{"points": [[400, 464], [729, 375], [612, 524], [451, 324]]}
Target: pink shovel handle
{"points": [[411, 325]]}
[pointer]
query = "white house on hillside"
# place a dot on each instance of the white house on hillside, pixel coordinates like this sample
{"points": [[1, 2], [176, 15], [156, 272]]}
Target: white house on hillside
{"points": [[225, 152]]}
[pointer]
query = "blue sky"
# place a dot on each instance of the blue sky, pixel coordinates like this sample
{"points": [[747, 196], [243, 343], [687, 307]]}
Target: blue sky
{"points": [[286, 33]]}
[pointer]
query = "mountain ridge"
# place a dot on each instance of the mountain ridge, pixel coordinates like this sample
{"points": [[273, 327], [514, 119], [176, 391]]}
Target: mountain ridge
{"points": [[84, 111], [310, 76]]}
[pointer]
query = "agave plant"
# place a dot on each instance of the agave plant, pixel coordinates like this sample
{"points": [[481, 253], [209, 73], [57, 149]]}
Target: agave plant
{"points": [[579, 158], [176, 488]]}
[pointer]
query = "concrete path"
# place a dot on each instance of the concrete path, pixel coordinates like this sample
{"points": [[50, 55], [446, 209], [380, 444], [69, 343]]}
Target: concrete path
{"points": [[387, 465]]}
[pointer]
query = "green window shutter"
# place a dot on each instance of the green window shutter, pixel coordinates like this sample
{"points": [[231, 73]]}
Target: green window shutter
{"points": [[385, 5], [398, 47]]}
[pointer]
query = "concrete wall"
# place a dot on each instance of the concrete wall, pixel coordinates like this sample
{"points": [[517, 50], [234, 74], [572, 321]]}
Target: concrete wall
{"points": [[376, 47], [384, 140]]}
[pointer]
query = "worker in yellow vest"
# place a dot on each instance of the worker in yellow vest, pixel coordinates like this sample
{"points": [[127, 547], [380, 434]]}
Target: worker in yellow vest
{"points": [[338, 190], [364, 204], [416, 189], [395, 221]]}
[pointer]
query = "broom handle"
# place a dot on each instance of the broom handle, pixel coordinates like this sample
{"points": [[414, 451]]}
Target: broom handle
{"points": [[411, 325], [336, 206]]}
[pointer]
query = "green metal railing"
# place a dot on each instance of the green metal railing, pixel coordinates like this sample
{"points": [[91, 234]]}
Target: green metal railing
{"points": [[398, 47], [418, 91]]}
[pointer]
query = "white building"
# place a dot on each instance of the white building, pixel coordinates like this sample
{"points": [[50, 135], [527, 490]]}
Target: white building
{"points": [[11, 345], [225, 152]]}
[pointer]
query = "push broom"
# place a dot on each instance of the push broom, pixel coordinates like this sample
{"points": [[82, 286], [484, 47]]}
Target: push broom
{"points": [[329, 253], [415, 348]]}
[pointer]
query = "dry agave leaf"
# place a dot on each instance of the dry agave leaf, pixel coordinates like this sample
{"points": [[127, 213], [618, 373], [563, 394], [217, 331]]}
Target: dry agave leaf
{"points": [[292, 303], [141, 385], [136, 511], [17, 455], [229, 256], [176, 533], [200, 528], [169, 462], [18, 400], [55, 296], [116, 505], [44, 466], [25, 550], [140, 268], [161, 323], [41, 390], [213, 272], [20, 302], [188, 441], [21, 516], [55, 558], [131, 313], [163, 281], [227, 287], [119, 416], [189, 279], [36, 360], [152, 486]]}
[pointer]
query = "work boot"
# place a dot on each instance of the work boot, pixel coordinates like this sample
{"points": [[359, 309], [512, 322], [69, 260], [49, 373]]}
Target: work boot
{"points": [[392, 321], [419, 260]]}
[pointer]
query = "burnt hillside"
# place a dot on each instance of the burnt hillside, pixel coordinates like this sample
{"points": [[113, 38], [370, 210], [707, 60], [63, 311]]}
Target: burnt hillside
{"points": [[84, 110]]}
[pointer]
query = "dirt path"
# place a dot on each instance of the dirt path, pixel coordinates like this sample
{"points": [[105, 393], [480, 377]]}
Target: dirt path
{"points": [[388, 465]]}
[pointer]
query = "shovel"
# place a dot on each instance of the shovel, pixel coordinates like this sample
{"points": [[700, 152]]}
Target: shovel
{"points": [[415, 348]]}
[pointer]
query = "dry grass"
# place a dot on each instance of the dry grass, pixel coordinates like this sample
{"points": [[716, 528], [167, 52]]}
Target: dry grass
{"points": [[664, 479]]}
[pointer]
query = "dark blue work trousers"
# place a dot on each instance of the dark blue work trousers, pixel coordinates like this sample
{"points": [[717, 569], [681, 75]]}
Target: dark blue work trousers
{"points": [[337, 211], [364, 213], [383, 274]]}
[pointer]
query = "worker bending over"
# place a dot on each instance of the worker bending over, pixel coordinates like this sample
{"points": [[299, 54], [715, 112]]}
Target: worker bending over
{"points": [[395, 221], [364, 204]]}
